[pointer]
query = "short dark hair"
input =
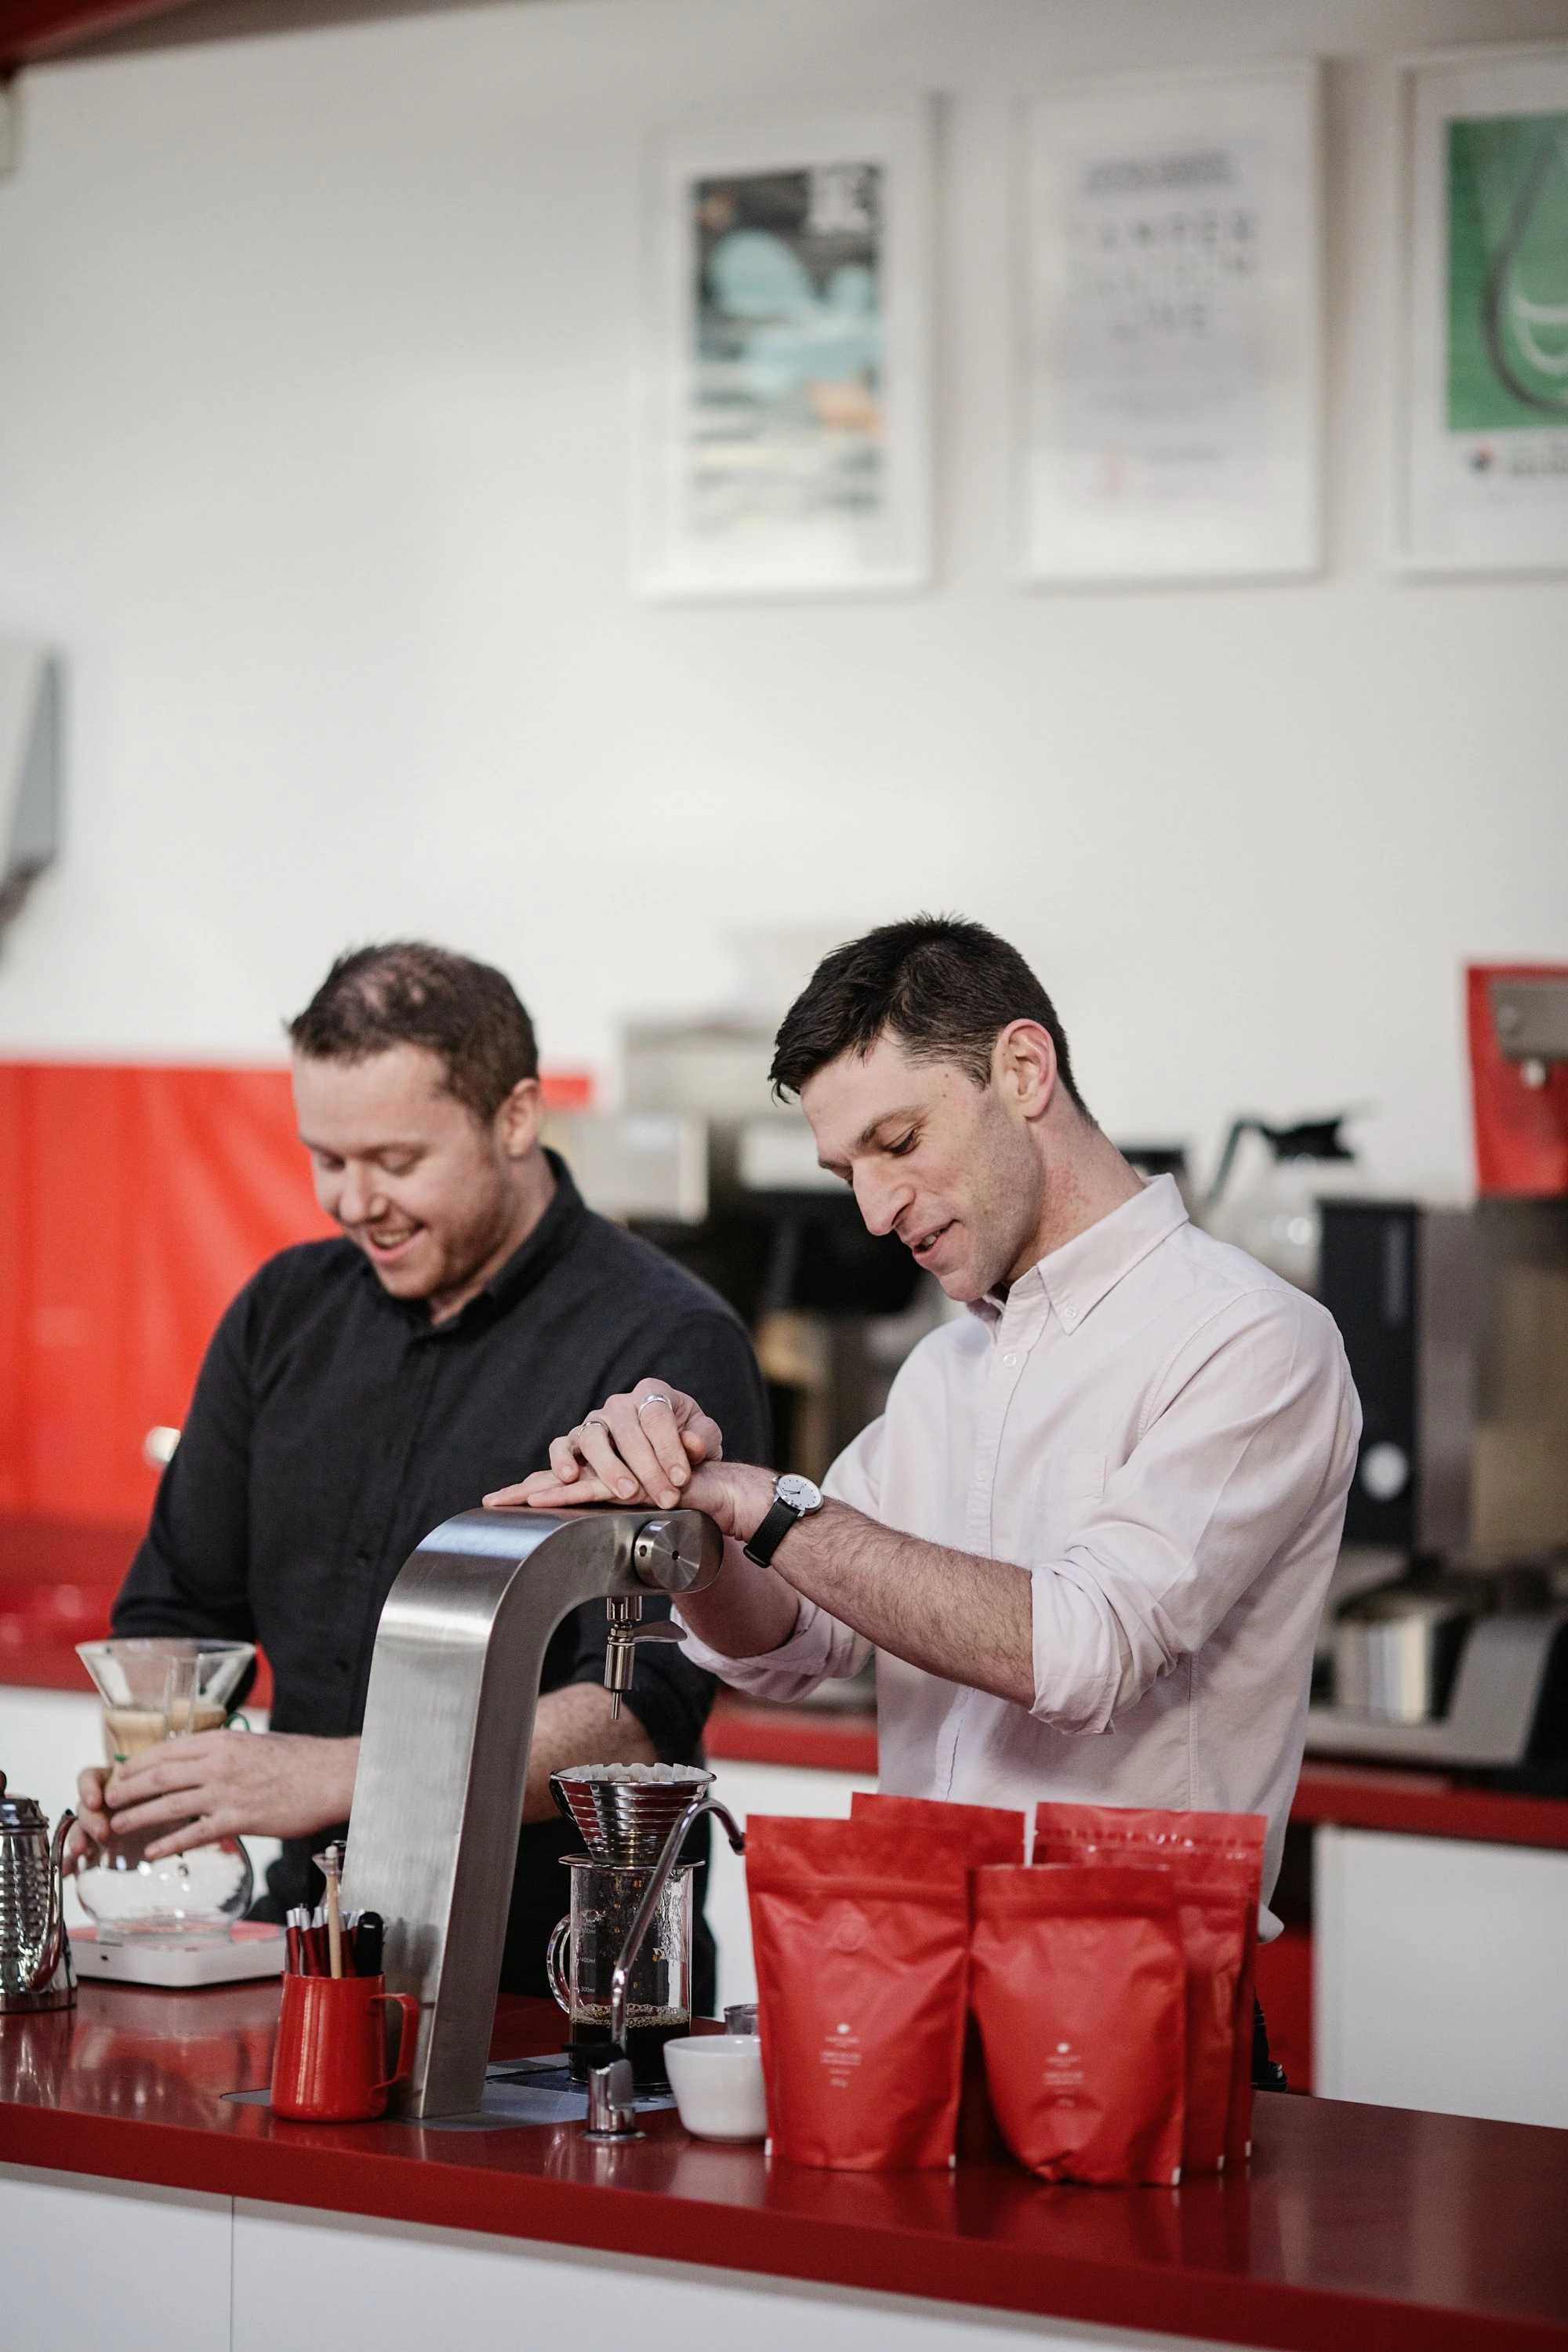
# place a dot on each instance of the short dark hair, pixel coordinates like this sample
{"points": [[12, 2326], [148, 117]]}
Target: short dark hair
{"points": [[945, 988], [407, 992]]}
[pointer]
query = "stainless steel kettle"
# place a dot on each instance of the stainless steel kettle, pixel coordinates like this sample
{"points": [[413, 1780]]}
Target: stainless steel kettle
{"points": [[34, 1950]]}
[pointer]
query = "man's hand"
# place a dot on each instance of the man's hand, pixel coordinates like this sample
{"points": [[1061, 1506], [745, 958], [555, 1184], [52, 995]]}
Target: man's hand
{"points": [[219, 1784], [967, 1619], [652, 1444], [92, 1825]]}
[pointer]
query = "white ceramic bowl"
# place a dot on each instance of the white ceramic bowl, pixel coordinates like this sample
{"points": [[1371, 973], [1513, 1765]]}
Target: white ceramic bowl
{"points": [[717, 2079]]}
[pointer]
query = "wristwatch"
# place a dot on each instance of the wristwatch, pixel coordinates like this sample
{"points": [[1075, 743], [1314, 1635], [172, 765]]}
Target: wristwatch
{"points": [[794, 1498]]}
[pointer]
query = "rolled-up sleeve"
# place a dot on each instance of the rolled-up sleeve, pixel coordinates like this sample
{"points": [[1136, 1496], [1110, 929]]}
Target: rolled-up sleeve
{"points": [[820, 1649], [1253, 1430]]}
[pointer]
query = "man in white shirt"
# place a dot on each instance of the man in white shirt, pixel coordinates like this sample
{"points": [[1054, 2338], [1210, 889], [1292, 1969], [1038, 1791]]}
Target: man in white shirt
{"points": [[1090, 1535]]}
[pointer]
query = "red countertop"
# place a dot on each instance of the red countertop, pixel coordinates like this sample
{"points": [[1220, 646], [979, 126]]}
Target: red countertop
{"points": [[1362, 2226]]}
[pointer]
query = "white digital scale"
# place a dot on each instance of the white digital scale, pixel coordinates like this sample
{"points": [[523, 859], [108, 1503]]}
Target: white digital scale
{"points": [[251, 1949]]}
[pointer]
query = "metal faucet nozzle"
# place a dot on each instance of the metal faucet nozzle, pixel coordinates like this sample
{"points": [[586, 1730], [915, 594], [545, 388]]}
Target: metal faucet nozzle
{"points": [[666, 1557]]}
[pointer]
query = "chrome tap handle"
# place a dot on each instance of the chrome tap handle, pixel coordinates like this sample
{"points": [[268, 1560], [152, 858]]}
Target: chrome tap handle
{"points": [[678, 1555]]}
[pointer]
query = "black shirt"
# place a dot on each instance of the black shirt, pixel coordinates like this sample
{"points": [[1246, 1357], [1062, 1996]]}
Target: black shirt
{"points": [[333, 1426]]}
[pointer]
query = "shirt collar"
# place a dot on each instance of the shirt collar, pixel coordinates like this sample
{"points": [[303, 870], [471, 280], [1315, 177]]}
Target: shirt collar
{"points": [[1075, 1277]]}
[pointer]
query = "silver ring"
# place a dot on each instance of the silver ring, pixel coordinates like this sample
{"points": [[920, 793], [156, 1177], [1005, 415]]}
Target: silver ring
{"points": [[652, 1400], [595, 1420]]}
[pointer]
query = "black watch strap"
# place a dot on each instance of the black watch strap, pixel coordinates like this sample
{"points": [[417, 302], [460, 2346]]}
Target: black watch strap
{"points": [[772, 1532]]}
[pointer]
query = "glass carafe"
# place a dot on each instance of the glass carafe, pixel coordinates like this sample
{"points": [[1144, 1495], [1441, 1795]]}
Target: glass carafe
{"points": [[1265, 1198], [155, 1690], [586, 1946]]}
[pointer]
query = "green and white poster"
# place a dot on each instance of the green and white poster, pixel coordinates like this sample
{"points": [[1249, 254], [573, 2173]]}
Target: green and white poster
{"points": [[1508, 273], [1488, 482]]}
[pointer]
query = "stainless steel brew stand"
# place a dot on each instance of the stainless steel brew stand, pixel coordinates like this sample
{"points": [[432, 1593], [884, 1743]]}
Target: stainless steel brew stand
{"points": [[443, 1761]]}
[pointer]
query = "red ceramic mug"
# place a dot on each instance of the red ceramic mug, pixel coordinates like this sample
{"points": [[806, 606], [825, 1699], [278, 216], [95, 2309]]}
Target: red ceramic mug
{"points": [[329, 2063]]}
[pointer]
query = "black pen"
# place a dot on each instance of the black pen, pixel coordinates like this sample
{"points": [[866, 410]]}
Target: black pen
{"points": [[368, 1943]]}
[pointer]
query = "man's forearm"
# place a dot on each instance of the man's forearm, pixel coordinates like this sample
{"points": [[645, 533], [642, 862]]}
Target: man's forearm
{"points": [[967, 1619]]}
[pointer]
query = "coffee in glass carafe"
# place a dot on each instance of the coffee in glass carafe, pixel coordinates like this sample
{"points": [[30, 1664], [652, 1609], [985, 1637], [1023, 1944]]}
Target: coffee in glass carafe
{"points": [[154, 1690], [624, 1812], [586, 1946]]}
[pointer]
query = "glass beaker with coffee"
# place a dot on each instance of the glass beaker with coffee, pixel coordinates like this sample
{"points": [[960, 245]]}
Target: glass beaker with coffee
{"points": [[154, 1690]]}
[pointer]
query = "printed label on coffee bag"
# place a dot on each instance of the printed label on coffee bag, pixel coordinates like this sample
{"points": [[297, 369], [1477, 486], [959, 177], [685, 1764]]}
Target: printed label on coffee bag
{"points": [[840, 2055]]}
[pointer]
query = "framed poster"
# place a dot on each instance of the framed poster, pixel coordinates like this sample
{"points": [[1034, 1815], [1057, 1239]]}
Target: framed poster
{"points": [[1170, 403], [1485, 479], [784, 434]]}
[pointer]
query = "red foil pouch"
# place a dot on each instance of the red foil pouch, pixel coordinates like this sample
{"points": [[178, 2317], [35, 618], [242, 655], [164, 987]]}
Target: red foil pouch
{"points": [[860, 1932], [1078, 1980], [1217, 1863], [982, 1834]]}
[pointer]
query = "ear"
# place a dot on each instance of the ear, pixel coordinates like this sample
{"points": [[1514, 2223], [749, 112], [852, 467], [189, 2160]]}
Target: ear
{"points": [[1023, 1067], [520, 1119]]}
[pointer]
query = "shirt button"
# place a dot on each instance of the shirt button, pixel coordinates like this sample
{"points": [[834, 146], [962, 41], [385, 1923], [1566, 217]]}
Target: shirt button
{"points": [[1009, 1361], [1070, 1316]]}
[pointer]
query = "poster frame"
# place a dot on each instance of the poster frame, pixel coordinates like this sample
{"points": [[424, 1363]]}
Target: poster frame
{"points": [[1289, 543], [1420, 546], [669, 563]]}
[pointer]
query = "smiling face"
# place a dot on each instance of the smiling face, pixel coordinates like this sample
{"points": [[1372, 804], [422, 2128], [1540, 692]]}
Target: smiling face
{"points": [[436, 1198], [955, 1168]]}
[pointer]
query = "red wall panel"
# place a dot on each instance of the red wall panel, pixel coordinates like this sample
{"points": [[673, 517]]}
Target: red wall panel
{"points": [[134, 1202]]}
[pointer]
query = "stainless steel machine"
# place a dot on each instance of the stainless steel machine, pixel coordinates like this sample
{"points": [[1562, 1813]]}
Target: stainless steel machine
{"points": [[1446, 1640], [444, 1753]]}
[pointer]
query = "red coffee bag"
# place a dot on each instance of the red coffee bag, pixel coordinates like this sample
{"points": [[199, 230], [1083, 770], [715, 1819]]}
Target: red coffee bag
{"points": [[860, 1931], [1078, 1981], [982, 1834], [1217, 1862]]}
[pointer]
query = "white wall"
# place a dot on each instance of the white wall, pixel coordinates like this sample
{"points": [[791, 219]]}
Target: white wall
{"points": [[312, 427]]}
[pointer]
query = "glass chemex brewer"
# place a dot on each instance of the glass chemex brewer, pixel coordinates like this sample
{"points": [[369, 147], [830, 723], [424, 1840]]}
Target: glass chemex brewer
{"points": [[625, 1813], [155, 1690]]}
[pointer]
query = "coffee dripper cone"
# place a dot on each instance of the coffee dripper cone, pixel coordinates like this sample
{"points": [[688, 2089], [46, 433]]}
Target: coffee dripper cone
{"points": [[624, 1812]]}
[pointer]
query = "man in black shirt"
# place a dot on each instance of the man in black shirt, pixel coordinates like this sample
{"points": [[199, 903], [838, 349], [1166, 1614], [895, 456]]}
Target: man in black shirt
{"points": [[359, 1391]]}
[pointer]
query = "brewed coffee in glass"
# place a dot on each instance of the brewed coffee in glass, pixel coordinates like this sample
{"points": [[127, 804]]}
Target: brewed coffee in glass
{"points": [[155, 1690]]}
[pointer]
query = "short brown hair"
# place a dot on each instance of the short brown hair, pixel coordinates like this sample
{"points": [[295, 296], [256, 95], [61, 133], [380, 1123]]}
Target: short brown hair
{"points": [[943, 987], [409, 994]]}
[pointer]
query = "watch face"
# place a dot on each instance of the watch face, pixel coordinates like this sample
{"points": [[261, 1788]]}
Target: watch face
{"points": [[798, 1492]]}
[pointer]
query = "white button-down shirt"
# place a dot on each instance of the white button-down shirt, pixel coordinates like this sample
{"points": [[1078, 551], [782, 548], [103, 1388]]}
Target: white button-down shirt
{"points": [[1162, 1433]]}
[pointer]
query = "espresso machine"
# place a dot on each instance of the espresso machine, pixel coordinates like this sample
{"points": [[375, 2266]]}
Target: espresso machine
{"points": [[1446, 1637]]}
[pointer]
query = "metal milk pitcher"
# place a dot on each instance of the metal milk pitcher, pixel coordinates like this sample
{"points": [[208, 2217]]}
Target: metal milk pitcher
{"points": [[34, 1950]]}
